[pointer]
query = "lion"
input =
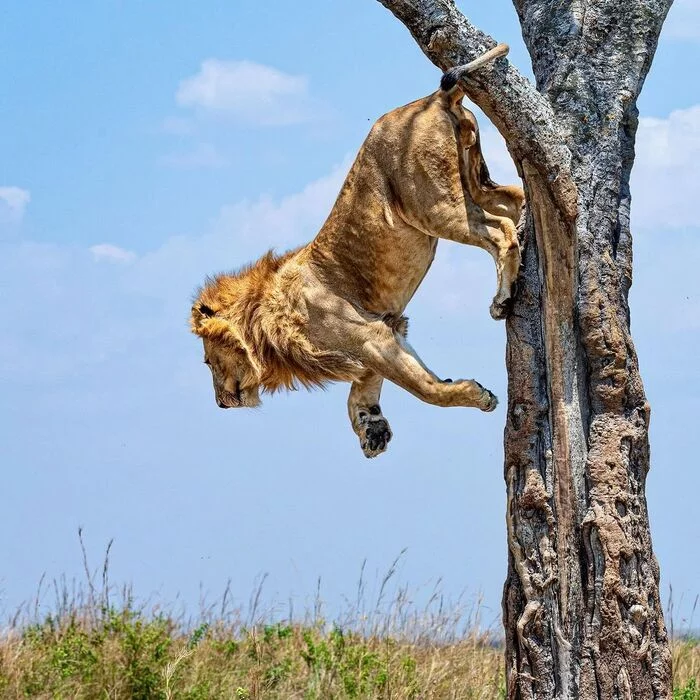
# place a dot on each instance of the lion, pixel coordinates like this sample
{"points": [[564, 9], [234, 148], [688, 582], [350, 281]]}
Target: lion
{"points": [[333, 310]]}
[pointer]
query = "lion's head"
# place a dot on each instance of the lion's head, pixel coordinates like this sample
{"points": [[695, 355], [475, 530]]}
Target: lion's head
{"points": [[255, 336], [235, 373]]}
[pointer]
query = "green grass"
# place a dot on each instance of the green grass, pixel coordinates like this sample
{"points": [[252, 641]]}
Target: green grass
{"points": [[123, 654], [89, 648], [686, 670], [127, 654], [690, 691]]}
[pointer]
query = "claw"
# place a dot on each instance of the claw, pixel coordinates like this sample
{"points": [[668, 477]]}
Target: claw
{"points": [[499, 310], [490, 403]]}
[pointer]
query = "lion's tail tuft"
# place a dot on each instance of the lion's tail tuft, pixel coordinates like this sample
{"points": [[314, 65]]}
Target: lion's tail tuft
{"points": [[451, 77]]}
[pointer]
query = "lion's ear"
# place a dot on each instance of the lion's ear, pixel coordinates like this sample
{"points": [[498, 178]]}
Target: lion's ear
{"points": [[200, 313]]}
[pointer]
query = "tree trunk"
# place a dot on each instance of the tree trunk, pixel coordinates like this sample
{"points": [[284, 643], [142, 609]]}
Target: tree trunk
{"points": [[581, 604]]}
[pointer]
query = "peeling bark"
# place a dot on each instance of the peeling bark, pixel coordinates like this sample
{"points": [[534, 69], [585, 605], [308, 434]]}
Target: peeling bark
{"points": [[582, 613]]}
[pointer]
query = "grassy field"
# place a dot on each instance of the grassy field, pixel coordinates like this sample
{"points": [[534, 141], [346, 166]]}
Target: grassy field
{"points": [[107, 653], [98, 643], [128, 657]]}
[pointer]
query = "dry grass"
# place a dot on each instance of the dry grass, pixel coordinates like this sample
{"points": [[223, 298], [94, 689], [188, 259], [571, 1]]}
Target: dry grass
{"points": [[686, 669], [126, 655], [130, 658], [92, 641], [95, 644]]}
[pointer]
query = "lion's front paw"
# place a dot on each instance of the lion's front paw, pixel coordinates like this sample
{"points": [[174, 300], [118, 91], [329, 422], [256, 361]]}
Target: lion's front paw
{"points": [[374, 434], [488, 401]]}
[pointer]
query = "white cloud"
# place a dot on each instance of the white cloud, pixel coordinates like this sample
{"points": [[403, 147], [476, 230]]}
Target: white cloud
{"points": [[683, 20], [239, 233], [131, 298], [670, 142], [665, 183], [203, 155], [13, 202], [248, 91], [280, 223], [666, 177], [106, 252]]}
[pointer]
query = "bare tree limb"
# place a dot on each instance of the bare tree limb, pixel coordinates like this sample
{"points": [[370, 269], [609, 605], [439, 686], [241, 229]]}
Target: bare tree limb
{"points": [[522, 115]]}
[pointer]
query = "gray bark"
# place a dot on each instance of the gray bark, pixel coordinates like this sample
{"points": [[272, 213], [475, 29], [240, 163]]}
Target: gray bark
{"points": [[581, 602]]}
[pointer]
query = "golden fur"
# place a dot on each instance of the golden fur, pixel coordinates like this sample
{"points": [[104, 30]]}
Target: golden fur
{"points": [[258, 310], [333, 309]]}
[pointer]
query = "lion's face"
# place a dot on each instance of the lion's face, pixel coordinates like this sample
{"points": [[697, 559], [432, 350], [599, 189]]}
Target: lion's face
{"points": [[235, 379]]}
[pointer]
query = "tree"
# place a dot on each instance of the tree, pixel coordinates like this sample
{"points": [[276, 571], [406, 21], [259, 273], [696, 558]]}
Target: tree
{"points": [[581, 602]]}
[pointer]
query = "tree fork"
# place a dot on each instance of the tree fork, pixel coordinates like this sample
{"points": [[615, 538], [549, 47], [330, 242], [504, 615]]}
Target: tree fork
{"points": [[582, 613]]}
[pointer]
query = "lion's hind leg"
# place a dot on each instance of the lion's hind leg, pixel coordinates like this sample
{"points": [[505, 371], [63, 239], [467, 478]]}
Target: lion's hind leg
{"points": [[366, 415], [501, 241]]}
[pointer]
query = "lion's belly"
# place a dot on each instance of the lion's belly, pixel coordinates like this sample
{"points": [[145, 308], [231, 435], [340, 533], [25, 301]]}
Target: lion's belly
{"points": [[400, 260], [371, 262]]}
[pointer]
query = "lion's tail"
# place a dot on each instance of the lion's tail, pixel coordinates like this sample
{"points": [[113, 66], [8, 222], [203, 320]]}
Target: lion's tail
{"points": [[452, 77]]}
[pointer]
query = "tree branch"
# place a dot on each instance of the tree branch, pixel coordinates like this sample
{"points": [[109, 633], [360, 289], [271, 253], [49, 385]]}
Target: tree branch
{"points": [[522, 115]]}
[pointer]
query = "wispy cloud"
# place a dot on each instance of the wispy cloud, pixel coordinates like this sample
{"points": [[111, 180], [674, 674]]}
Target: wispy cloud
{"points": [[665, 178], [106, 252], [247, 91], [126, 297], [285, 222]]}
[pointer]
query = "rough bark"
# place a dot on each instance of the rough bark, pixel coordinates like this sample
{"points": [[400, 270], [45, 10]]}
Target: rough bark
{"points": [[581, 602]]}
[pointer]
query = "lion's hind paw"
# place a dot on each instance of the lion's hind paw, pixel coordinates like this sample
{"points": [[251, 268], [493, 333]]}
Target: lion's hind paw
{"points": [[499, 310], [488, 401]]}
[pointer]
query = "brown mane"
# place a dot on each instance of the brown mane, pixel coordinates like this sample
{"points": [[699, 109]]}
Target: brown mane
{"points": [[258, 307]]}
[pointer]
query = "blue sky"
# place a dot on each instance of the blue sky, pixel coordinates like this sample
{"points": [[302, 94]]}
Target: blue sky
{"points": [[143, 146]]}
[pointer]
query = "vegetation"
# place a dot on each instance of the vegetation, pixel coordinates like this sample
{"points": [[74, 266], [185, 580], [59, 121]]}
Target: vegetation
{"points": [[88, 647], [127, 654]]}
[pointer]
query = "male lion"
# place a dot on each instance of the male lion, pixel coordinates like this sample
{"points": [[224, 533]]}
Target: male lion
{"points": [[333, 309]]}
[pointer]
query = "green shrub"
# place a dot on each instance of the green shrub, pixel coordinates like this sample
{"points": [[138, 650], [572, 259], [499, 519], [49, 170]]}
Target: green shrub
{"points": [[689, 692]]}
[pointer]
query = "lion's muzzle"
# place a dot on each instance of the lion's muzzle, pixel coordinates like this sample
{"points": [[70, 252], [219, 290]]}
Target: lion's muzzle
{"points": [[241, 398]]}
